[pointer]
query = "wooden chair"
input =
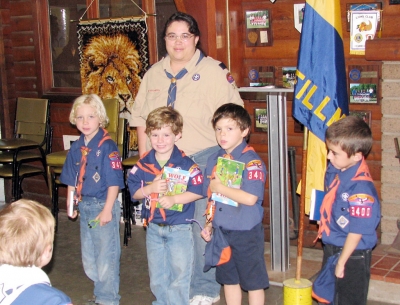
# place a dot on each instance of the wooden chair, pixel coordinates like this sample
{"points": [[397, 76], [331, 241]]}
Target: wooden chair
{"points": [[55, 161], [31, 142]]}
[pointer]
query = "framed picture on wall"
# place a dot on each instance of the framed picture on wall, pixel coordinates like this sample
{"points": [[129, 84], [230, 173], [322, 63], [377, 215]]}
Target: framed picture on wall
{"points": [[258, 28], [364, 84], [364, 114], [260, 120], [298, 15], [363, 93]]}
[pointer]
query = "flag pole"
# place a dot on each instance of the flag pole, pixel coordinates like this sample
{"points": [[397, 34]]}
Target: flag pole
{"points": [[302, 205], [296, 290]]}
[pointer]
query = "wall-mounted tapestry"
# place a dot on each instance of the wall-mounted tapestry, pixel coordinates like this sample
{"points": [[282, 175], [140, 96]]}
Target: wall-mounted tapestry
{"points": [[113, 59]]}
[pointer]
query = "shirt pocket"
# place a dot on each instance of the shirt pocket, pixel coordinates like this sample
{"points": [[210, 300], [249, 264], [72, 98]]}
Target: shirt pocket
{"points": [[154, 99], [194, 105]]}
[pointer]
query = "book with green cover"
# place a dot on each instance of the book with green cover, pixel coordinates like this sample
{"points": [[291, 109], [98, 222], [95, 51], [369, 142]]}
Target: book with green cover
{"points": [[230, 173], [177, 181]]}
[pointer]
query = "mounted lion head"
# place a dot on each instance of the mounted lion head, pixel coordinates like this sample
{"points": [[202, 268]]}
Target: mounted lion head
{"points": [[110, 68]]}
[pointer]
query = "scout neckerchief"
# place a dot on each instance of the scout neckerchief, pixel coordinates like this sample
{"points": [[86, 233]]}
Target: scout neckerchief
{"points": [[150, 168], [362, 174], [85, 151], [210, 210], [172, 86]]}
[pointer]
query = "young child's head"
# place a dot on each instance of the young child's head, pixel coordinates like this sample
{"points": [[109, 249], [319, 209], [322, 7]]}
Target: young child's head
{"points": [[88, 114], [349, 138], [164, 127], [26, 234], [231, 123], [93, 101]]}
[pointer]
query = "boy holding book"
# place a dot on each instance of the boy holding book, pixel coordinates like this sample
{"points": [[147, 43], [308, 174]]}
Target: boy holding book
{"points": [[350, 212], [241, 225], [169, 238]]}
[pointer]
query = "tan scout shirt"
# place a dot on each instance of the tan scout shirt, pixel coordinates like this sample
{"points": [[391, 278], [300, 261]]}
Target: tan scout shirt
{"points": [[200, 92]]}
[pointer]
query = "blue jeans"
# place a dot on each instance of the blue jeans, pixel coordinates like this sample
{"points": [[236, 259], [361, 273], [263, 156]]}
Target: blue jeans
{"points": [[203, 283], [101, 250], [170, 259]]}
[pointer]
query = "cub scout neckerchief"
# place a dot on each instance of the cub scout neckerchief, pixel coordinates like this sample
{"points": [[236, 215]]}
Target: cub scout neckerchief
{"points": [[217, 250], [150, 168], [324, 286], [362, 174], [210, 210], [172, 87], [85, 151]]}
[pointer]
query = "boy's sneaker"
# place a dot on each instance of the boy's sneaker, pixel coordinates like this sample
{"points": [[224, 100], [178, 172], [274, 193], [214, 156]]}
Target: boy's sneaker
{"points": [[204, 300]]}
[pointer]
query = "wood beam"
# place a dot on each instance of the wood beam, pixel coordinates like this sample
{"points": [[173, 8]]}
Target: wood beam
{"points": [[383, 49]]}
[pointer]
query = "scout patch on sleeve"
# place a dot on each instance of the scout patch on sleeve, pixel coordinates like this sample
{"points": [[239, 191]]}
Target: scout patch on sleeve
{"points": [[134, 169], [196, 175], [115, 160], [254, 170], [361, 205], [230, 78]]}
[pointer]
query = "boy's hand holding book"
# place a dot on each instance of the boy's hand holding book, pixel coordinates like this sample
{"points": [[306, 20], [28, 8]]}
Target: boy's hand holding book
{"points": [[166, 201], [159, 185], [216, 185]]}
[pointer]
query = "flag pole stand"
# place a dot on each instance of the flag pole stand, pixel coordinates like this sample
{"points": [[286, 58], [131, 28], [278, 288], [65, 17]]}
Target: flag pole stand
{"points": [[297, 291]]}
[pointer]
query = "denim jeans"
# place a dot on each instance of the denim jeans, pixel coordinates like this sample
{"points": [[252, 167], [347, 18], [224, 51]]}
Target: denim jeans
{"points": [[170, 259], [101, 250], [203, 283]]}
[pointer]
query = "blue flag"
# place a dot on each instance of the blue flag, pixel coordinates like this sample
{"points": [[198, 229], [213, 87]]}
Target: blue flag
{"points": [[320, 96], [321, 90]]}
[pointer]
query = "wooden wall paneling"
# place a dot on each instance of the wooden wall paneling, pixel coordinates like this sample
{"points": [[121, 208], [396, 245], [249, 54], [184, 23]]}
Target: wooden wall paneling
{"points": [[41, 32], [236, 40], [24, 54], [22, 8], [149, 7], [3, 84], [220, 48], [24, 69], [180, 5], [22, 39], [204, 13], [61, 126], [374, 51]]}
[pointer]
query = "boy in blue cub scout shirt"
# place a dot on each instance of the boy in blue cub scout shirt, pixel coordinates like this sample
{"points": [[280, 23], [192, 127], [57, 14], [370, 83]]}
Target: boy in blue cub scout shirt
{"points": [[169, 239], [242, 225], [93, 173], [27, 236], [350, 211]]}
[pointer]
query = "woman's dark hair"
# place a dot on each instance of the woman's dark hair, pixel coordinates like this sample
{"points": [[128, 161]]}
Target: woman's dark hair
{"points": [[179, 16]]}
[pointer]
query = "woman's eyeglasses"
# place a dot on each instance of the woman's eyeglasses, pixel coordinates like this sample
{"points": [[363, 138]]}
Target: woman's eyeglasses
{"points": [[183, 37]]}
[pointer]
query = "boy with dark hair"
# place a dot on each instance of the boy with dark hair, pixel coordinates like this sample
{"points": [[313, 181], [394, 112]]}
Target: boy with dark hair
{"points": [[169, 237], [241, 226], [350, 211]]}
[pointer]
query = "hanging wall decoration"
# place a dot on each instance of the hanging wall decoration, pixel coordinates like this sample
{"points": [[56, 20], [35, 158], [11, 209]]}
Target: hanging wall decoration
{"points": [[298, 15], [365, 20], [113, 59], [258, 28]]}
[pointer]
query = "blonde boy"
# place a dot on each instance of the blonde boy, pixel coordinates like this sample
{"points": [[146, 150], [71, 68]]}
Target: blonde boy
{"points": [[93, 173], [27, 235]]}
